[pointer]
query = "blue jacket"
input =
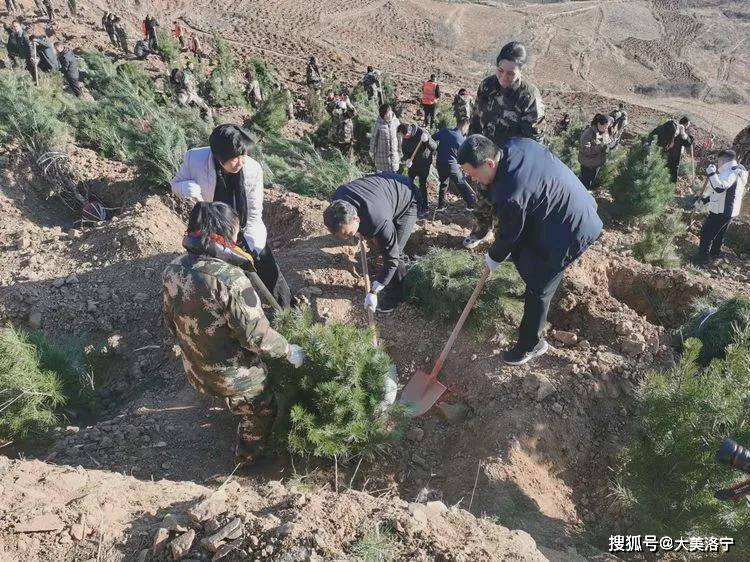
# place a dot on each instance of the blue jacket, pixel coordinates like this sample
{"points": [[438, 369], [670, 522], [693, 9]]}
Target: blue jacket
{"points": [[449, 141], [547, 218]]}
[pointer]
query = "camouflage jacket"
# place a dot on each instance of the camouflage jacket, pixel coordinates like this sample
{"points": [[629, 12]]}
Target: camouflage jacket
{"points": [[502, 113], [215, 316]]}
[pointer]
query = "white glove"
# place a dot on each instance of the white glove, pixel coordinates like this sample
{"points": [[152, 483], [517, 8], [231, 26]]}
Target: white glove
{"points": [[492, 264], [711, 169], [680, 131], [295, 355], [371, 302], [699, 206], [424, 137]]}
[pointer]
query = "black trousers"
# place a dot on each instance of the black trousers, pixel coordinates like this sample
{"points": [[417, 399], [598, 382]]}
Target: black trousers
{"points": [[673, 165], [394, 292], [588, 176], [712, 234], [421, 174], [270, 273], [457, 181], [75, 85], [429, 114], [536, 307]]}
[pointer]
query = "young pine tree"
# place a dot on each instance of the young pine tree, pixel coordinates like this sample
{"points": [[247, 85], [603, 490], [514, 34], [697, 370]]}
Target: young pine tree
{"points": [[657, 246], [643, 188]]}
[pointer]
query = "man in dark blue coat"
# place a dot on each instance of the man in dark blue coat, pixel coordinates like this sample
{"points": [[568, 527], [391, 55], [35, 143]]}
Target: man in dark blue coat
{"points": [[546, 219], [382, 207], [449, 172]]}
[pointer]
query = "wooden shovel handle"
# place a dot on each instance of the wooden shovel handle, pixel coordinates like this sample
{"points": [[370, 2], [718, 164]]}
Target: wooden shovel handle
{"points": [[460, 323], [366, 275]]}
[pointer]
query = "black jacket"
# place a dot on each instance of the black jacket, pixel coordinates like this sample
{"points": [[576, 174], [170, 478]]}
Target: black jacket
{"points": [[547, 217], [381, 200], [424, 156], [46, 53], [18, 45], [69, 64]]}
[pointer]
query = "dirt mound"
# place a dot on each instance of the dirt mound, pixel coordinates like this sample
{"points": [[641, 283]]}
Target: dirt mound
{"points": [[66, 513]]}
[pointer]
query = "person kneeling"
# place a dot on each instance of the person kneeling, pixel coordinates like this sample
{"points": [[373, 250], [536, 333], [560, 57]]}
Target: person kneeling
{"points": [[215, 316]]}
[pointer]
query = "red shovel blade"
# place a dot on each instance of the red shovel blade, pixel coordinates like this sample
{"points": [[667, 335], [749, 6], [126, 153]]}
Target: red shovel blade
{"points": [[421, 393]]}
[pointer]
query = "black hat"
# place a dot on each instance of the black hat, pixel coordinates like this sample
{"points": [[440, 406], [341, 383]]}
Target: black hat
{"points": [[513, 51]]}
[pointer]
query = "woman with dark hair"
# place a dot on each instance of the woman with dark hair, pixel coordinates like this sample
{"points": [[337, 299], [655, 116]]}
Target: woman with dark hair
{"points": [[595, 143], [224, 171], [215, 316]]}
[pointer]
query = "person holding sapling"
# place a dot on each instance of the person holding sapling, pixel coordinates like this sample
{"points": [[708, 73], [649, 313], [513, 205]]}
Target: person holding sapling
{"points": [[215, 316], [383, 207], [546, 219]]}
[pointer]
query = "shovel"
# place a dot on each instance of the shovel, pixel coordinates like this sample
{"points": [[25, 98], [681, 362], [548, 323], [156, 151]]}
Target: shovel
{"points": [[366, 275], [423, 390]]}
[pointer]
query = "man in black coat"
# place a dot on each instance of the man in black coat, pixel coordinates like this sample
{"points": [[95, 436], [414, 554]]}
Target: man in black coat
{"points": [[70, 68], [383, 207], [546, 219], [673, 139], [418, 148], [45, 52], [19, 47]]}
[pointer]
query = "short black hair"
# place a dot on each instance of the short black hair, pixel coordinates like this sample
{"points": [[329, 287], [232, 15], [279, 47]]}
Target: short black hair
{"points": [[601, 119], [476, 149], [685, 120], [432, 77], [402, 128], [728, 154], [462, 91], [514, 51], [384, 109], [369, 68], [229, 141], [338, 214], [213, 219]]}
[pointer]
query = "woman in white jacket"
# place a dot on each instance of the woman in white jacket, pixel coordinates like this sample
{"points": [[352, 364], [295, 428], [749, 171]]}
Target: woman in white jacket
{"points": [[224, 171], [384, 143], [723, 197]]}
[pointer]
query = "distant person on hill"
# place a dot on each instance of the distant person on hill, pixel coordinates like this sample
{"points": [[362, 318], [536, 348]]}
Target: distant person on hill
{"points": [[723, 197], [430, 97], [121, 35], [450, 174], [49, 10], [185, 87], [253, 93], [384, 142], [595, 144], [507, 106], [149, 27], [195, 47], [45, 52], [371, 84], [619, 122], [418, 148], [11, 6], [178, 33], [19, 46], [313, 77], [463, 105], [341, 133], [224, 171], [69, 67], [546, 220], [673, 137], [107, 20], [214, 314], [73, 7]]}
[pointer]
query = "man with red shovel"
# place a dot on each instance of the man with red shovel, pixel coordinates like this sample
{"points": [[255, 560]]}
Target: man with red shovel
{"points": [[547, 219]]}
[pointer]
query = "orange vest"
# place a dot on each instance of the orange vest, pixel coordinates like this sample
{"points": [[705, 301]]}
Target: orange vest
{"points": [[428, 93]]}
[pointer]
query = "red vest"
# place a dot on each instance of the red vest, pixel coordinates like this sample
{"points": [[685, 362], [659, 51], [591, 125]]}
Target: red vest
{"points": [[428, 93]]}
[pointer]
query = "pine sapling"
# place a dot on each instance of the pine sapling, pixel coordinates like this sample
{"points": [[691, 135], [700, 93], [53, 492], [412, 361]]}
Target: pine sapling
{"points": [[643, 188], [657, 246]]}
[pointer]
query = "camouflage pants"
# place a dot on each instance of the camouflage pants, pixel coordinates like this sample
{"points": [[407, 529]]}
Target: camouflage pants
{"points": [[256, 415]]}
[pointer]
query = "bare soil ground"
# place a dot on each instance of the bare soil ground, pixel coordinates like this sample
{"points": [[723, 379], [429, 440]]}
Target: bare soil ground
{"points": [[527, 448]]}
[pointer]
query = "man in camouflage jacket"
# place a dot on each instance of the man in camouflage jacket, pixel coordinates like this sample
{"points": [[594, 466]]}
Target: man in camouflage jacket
{"points": [[507, 106], [215, 315]]}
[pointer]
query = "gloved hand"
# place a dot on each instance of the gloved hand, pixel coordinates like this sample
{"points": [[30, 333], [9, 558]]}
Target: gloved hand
{"points": [[295, 355], [425, 137], [371, 302], [680, 131], [711, 169], [492, 264]]}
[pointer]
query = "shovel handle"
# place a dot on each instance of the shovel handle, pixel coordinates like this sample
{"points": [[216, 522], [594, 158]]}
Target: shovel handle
{"points": [[460, 324], [366, 275]]}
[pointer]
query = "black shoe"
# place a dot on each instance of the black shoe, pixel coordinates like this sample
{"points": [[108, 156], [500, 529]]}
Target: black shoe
{"points": [[519, 356], [386, 308]]}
